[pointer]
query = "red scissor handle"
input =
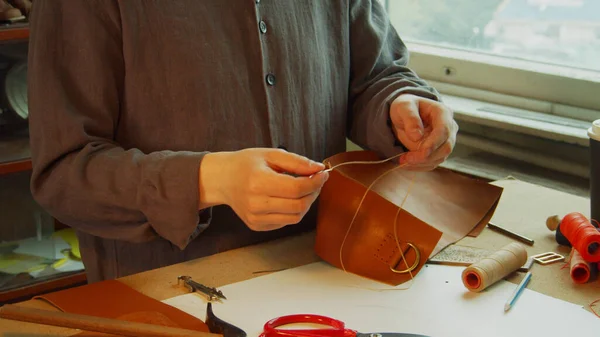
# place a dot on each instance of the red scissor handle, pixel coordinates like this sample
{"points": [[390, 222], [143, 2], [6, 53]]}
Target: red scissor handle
{"points": [[337, 327]]}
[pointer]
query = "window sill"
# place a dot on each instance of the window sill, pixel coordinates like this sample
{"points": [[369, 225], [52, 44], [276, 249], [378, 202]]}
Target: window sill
{"points": [[490, 166], [542, 125], [483, 157]]}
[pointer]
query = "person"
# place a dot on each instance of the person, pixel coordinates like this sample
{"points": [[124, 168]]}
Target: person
{"points": [[164, 131]]}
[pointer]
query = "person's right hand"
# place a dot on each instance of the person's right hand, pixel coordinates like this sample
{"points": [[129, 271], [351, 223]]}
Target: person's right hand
{"points": [[267, 188]]}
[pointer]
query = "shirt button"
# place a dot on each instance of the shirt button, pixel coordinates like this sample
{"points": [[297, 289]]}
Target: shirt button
{"points": [[263, 26], [270, 79]]}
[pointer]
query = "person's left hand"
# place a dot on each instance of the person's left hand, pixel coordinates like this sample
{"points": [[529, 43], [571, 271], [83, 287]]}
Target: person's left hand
{"points": [[426, 128]]}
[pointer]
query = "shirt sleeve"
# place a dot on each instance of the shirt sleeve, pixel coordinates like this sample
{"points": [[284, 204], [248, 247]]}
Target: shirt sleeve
{"points": [[81, 175], [379, 74]]}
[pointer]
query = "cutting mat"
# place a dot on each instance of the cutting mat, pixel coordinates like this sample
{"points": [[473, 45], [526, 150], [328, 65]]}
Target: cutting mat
{"points": [[457, 255]]}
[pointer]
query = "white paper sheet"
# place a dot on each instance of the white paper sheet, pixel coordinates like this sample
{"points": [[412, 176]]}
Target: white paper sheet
{"points": [[437, 304]]}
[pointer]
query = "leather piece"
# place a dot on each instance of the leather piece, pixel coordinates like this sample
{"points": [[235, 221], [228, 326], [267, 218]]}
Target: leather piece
{"points": [[113, 299], [148, 317], [441, 208]]}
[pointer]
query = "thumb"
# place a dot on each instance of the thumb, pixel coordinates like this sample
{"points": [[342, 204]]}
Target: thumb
{"points": [[406, 118], [292, 163]]}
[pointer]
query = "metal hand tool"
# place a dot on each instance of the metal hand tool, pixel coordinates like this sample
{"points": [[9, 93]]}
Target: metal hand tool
{"points": [[212, 293]]}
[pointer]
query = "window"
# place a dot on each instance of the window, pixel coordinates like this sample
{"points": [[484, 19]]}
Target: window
{"points": [[546, 50], [523, 76]]}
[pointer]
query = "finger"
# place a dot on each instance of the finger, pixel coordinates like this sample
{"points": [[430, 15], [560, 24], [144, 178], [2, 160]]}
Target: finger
{"points": [[405, 117], [283, 161], [269, 222], [430, 146], [434, 160], [415, 157], [270, 205], [443, 127], [439, 135], [429, 166], [443, 151], [288, 187], [423, 157]]}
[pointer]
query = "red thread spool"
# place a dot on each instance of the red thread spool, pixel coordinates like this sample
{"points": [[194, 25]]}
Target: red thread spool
{"points": [[584, 237], [581, 270]]}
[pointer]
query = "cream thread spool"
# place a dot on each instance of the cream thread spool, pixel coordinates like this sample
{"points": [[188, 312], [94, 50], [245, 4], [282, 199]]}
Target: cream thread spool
{"points": [[495, 267]]}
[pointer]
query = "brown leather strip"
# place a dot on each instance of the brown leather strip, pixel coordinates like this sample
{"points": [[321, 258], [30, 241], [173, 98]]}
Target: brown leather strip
{"points": [[113, 299]]}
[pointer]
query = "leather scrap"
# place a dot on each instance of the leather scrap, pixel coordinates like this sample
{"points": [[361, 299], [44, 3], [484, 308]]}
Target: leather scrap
{"points": [[113, 299]]}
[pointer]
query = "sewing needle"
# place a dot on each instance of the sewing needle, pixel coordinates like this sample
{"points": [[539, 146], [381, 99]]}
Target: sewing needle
{"points": [[515, 295]]}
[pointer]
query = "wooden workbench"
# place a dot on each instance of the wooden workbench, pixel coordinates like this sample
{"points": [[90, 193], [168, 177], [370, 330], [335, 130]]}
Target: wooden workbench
{"points": [[523, 208]]}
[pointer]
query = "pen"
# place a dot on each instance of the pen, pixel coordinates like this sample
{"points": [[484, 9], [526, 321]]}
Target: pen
{"points": [[515, 295], [511, 234]]}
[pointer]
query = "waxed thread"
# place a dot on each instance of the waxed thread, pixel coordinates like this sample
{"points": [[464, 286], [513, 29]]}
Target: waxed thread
{"points": [[395, 218], [507, 260], [363, 162], [410, 184], [592, 306], [358, 209], [577, 229], [568, 263], [576, 235]]}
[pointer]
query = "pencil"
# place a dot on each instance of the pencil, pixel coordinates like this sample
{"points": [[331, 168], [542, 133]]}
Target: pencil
{"points": [[515, 295]]}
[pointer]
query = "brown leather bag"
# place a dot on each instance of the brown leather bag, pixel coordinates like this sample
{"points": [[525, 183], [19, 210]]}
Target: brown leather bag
{"points": [[441, 208]]}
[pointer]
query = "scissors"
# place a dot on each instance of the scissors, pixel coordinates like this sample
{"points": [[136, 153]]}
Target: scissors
{"points": [[336, 328]]}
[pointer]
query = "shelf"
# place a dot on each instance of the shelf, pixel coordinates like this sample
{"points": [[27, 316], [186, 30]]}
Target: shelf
{"points": [[38, 287], [15, 154], [14, 32]]}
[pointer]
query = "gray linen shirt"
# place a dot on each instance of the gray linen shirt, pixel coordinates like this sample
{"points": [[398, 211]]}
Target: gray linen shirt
{"points": [[127, 96]]}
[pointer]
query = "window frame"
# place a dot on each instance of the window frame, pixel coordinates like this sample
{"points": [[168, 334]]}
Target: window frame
{"points": [[567, 92]]}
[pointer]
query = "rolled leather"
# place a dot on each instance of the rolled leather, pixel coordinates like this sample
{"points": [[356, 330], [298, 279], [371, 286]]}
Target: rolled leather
{"points": [[441, 208]]}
